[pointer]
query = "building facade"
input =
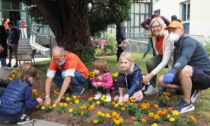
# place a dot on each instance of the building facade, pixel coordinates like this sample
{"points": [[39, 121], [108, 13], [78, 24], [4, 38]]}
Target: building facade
{"points": [[193, 14]]}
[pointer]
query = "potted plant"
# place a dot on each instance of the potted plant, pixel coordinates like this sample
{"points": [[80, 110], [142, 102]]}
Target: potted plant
{"points": [[132, 108]]}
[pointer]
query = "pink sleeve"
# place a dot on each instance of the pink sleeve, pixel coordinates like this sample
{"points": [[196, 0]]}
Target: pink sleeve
{"points": [[93, 81], [107, 83]]}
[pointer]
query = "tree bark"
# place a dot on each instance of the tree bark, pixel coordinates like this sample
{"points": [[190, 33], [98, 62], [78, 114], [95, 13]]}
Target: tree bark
{"points": [[68, 20]]}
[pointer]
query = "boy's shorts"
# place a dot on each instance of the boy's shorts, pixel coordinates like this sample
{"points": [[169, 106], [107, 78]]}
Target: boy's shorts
{"points": [[200, 80], [13, 49]]}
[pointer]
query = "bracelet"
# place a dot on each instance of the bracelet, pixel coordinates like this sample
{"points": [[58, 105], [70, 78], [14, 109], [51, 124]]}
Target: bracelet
{"points": [[47, 96]]}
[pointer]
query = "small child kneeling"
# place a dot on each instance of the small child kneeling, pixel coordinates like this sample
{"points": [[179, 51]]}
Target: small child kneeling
{"points": [[17, 97], [129, 79], [102, 80]]}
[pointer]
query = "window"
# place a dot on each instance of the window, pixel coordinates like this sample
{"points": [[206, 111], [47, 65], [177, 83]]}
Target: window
{"points": [[185, 13]]}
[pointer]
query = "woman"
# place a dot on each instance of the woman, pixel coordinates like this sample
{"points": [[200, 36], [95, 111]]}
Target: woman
{"points": [[3, 43], [163, 47]]}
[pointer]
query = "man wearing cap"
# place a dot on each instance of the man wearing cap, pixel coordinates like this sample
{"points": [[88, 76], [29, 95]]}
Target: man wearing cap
{"points": [[191, 69]]}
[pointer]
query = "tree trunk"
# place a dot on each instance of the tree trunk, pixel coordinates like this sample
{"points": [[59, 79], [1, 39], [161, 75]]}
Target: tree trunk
{"points": [[68, 20]]}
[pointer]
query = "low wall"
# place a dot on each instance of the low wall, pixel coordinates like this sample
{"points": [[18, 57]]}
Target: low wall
{"points": [[136, 46], [45, 40]]}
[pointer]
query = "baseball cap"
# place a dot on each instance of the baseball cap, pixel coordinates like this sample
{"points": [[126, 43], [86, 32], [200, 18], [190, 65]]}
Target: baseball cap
{"points": [[175, 24]]}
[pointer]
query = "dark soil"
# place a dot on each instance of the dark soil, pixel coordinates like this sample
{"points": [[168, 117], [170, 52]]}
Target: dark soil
{"points": [[66, 119]]}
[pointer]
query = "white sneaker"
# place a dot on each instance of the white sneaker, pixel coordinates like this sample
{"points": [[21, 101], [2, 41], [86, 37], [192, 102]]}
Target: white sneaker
{"points": [[97, 96], [151, 90], [194, 95], [108, 98], [120, 99]]}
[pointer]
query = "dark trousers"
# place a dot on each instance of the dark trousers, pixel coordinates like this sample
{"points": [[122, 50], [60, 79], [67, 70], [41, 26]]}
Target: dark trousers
{"points": [[151, 64], [103, 90], [119, 49]]}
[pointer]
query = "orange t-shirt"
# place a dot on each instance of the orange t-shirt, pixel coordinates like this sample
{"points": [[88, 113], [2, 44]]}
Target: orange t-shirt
{"points": [[6, 25], [159, 45], [72, 62], [22, 24]]}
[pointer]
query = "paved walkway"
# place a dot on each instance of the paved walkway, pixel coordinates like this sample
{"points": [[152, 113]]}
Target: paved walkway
{"points": [[4, 74]]}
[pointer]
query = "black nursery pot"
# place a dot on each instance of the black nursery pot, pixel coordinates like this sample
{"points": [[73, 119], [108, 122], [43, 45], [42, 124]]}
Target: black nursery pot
{"points": [[161, 104], [132, 113]]}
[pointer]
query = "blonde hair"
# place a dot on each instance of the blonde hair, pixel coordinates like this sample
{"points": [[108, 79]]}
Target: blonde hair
{"points": [[127, 56], [162, 24], [100, 65], [26, 71]]}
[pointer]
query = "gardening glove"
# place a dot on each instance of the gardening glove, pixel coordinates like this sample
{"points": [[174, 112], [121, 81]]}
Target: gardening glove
{"points": [[167, 79]]}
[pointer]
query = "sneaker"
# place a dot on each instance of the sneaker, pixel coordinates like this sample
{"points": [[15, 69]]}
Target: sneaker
{"points": [[151, 90], [97, 96], [195, 94], [16, 65], [120, 99], [78, 93], [184, 107], [9, 65], [4, 68], [108, 98], [24, 120]]}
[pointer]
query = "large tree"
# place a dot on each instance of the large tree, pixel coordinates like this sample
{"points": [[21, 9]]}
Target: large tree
{"points": [[74, 21]]}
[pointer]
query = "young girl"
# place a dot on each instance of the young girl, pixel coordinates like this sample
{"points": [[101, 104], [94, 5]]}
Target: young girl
{"points": [[17, 97], [102, 81], [129, 79]]}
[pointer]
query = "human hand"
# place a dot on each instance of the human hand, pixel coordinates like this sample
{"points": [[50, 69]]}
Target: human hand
{"points": [[116, 98], [40, 100], [167, 79], [98, 83], [126, 98], [143, 59], [57, 101], [47, 100], [95, 84], [147, 78]]}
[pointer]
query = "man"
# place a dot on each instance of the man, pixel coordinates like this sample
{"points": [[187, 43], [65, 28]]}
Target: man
{"points": [[121, 37], [66, 70], [6, 26], [13, 39], [191, 68]]}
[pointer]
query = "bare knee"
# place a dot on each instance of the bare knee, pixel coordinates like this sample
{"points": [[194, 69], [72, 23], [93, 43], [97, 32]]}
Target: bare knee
{"points": [[160, 80], [186, 72]]}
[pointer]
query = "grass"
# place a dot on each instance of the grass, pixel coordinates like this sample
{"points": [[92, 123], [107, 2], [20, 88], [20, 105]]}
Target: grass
{"points": [[202, 104]]}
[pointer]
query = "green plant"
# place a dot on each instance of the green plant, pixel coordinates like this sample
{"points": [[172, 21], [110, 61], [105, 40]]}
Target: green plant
{"points": [[110, 35], [86, 54], [139, 116], [207, 45], [132, 107], [99, 51], [137, 124]]}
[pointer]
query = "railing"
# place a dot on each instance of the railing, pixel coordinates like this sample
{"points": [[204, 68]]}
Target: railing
{"points": [[39, 48]]}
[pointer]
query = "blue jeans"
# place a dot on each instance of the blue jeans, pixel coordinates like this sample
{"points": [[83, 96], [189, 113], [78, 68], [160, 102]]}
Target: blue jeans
{"points": [[76, 81], [3, 62]]}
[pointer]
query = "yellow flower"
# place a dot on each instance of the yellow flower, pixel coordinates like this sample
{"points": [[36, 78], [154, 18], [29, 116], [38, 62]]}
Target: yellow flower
{"points": [[90, 99], [114, 113], [168, 116], [121, 120], [71, 110], [172, 119], [64, 104], [156, 116], [81, 113], [151, 114], [116, 105], [98, 102], [76, 101], [154, 124], [99, 113], [117, 122], [95, 121], [143, 120], [74, 97], [116, 75], [48, 103], [175, 113], [68, 99], [108, 116], [103, 115], [156, 106], [117, 116], [43, 107], [123, 109]]}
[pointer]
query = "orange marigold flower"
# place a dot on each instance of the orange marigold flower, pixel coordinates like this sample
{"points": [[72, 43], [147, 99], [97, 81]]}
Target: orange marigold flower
{"points": [[117, 116], [151, 114], [133, 118], [133, 99], [117, 122], [62, 97], [114, 113], [78, 96], [143, 120], [156, 106], [156, 116], [83, 107], [90, 109], [95, 121], [170, 109], [34, 91]]}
